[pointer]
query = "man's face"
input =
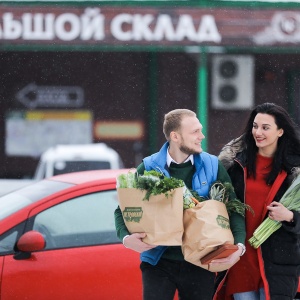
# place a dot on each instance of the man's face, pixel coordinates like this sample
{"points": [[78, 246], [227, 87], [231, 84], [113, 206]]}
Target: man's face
{"points": [[190, 136]]}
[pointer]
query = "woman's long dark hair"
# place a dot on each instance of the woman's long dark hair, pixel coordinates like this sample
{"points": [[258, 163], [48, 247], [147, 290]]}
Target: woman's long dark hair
{"points": [[288, 143]]}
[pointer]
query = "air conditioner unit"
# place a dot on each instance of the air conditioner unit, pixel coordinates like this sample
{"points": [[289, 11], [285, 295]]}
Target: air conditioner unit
{"points": [[232, 82]]}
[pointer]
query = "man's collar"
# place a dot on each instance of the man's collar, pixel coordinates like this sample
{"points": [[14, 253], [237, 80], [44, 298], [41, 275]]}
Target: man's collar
{"points": [[170, 159]]}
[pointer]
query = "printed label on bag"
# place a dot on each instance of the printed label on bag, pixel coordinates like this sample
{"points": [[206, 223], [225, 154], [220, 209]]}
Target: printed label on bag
{"points": [[223, 222], [132, 214]]}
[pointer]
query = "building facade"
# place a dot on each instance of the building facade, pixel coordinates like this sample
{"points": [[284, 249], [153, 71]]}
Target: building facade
{"points": [[94, 71]]}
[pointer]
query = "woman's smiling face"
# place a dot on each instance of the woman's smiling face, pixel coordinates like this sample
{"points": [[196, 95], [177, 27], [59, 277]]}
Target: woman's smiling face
{"points": [[266, 133]]}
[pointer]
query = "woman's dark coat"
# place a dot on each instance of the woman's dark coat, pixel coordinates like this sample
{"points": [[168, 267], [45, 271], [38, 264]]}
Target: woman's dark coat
{"points": [[279, 255]]}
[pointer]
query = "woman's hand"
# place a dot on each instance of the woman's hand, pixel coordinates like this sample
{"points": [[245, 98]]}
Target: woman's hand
{"points": [[278, 212]]}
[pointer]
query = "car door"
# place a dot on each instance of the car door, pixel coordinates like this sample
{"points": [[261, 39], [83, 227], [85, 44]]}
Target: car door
{"points": [[83, 258]]}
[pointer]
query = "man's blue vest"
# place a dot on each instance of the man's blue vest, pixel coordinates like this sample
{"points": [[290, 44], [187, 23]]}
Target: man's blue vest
{"points": [[206, 173]]}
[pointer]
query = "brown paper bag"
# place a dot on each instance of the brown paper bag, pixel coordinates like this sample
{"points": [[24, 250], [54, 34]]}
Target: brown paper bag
{"points": [[206, 226], [161, 218]]}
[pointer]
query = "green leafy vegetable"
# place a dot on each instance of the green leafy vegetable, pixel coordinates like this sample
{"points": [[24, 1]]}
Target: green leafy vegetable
{"points": [[190, 198], [127, 180], [220, 191], [153, 182], [156, 183]]}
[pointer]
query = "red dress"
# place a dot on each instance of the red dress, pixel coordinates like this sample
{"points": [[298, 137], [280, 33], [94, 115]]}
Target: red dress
{"points": [[245, 275]]}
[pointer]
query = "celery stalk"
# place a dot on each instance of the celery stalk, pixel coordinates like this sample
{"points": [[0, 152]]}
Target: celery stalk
{"points": [[291, 200]]}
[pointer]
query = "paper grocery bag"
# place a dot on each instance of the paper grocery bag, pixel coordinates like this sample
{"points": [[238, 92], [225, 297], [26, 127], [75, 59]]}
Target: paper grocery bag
{"points": [[160, 217], [206, 226]]}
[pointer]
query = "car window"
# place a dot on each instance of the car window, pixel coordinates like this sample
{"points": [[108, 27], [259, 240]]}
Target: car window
{"points": [[62, 167], [82, 221], [9, 238], [14, 201]]}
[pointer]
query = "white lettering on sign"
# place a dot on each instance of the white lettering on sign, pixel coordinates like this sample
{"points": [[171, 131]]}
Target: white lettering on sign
{"points": [[11, 29], [38, 28], [123, 27], [139, 28], [66, 26], [92, 25], [284, 28], [208, 30], [164, 29], [67, 21]]}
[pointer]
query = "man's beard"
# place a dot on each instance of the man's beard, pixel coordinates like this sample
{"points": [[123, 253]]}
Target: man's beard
{"points": [[188, 150]]}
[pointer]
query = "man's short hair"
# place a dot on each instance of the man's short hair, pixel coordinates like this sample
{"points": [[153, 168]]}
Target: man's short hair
{"points": [[172, 120]]}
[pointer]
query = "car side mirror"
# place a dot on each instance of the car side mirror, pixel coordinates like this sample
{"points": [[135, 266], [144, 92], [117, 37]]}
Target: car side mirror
{"points": [[29, 242]]}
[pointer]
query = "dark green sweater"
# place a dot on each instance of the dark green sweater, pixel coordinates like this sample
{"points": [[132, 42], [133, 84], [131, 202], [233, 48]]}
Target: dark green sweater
{"points": [[185, 171]]}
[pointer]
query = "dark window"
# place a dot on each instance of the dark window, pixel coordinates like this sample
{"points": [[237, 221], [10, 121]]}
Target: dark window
{"points": [[76, 166]]}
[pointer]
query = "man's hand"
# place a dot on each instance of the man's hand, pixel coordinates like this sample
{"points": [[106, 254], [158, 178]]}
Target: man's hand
{"points": [[134, 242], [231, 259]]}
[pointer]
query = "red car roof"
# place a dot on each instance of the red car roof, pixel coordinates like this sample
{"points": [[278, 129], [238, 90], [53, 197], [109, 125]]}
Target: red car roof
{"points": [[88, 176]]}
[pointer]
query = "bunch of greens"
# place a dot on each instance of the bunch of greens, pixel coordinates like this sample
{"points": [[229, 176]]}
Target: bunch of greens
{"points": [[220, 192], [291, 200], [190, 198], [127, 180], [153, 182], [156, 183]]}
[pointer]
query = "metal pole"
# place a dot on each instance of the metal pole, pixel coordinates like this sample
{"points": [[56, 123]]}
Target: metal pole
{"points": [[202, 110]]}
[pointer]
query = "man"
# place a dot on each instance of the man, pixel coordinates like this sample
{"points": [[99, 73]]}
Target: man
{"points": [[163, 268]]}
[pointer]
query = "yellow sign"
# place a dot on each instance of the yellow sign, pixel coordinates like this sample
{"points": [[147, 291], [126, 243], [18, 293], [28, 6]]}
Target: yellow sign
{"points": [[133, 130], [58, 115]]}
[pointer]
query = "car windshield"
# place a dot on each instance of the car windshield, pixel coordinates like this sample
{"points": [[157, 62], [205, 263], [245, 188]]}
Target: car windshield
{"points": [[63, 167], [12, 202]]}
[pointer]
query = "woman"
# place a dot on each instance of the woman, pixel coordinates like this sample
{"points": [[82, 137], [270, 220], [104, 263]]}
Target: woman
{"points": [[262, 164]]}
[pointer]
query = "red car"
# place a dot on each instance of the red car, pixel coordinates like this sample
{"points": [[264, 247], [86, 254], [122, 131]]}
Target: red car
{"points": [[58, 241]]}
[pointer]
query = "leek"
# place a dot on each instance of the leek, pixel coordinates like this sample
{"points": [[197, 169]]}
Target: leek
{"points": [[290, 200]]}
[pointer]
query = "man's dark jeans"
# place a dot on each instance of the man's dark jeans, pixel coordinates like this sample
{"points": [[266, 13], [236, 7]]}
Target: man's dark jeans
{"points": [[161, 281]]}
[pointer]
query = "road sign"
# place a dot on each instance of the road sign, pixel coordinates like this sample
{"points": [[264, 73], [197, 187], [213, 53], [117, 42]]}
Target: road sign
{"points": [[33, 96]]}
